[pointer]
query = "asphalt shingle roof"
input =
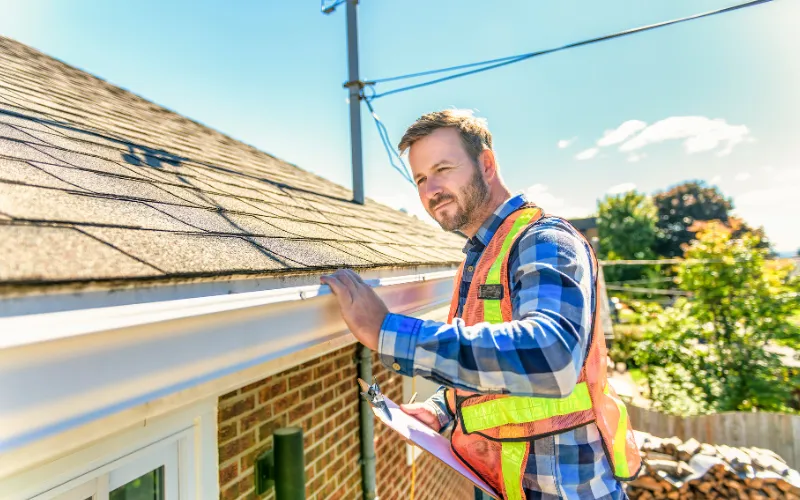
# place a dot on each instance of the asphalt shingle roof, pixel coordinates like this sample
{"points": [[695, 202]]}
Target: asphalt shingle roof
{"points": [[98, 184]]}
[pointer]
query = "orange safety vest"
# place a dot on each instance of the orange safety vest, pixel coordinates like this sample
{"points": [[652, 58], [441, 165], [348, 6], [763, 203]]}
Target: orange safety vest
{"points": [[493, 433]]}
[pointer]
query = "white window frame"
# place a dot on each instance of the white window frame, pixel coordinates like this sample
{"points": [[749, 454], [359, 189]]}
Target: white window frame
{"points": [[184, 442], [167, 457], [99, 483]]}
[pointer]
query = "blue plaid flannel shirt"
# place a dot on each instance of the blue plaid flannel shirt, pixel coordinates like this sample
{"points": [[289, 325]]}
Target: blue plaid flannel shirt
{"points": [[539, 353]]}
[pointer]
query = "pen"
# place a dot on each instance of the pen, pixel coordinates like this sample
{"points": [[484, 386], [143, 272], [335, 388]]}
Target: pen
{"points": [[413, 398]]}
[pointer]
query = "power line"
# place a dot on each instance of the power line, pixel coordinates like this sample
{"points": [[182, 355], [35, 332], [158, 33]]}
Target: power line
{"points": [[330, 8], [505, 61], [442, 70], [652, 291], [642, 281], [387, 144], [605, 263], [650, 262]]}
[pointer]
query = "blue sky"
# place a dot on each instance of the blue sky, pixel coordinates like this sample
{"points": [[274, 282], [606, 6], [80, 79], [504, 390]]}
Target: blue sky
{"points": [[716, 99]]}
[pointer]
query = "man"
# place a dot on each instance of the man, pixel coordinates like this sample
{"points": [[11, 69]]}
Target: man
{"points": [[522, 359]]}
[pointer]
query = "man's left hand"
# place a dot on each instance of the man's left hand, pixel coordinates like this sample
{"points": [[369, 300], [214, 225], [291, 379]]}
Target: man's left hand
{"points": [[362, 310]]}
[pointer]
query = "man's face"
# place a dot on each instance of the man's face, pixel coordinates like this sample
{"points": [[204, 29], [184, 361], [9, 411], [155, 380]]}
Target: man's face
{"points": [[450, 185]]}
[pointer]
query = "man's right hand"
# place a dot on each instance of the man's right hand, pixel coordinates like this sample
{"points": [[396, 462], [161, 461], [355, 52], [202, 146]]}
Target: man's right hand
{"points": [[423, 413]]}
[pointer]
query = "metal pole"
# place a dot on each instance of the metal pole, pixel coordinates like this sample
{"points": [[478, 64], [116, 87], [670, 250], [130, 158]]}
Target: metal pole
{"points": [[354, 84], [367, 427], [290, 471]]}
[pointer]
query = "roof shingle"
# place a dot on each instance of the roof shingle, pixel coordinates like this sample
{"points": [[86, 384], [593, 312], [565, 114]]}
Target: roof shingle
{"points": [[98, 184]]}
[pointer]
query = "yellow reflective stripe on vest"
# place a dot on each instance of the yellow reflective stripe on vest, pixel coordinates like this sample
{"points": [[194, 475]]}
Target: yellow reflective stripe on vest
{"points": [[512, 456], [492, 311], [620, 455], [521, 410]]}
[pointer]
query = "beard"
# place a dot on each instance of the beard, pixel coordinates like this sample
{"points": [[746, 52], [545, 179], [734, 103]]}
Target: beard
{"points": [[466, 204]]}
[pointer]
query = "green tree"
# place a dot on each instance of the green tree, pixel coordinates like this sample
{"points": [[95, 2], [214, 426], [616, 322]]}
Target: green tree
{"points": [[626, 225], [678, 209], [708, 353], [681, 206]]}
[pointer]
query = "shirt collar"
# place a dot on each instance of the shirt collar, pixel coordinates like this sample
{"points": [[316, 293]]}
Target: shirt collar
{"points": [[493, 222]]}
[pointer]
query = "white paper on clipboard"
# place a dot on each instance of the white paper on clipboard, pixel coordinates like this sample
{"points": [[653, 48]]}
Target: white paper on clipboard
{"points": [[419, 434]]}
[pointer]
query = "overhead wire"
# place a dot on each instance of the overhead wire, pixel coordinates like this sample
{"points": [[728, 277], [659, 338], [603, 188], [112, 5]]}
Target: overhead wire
{"points": [[387, 144], [330, 8], [441, 70], [505, 61], [652, 291], [491, 64]]}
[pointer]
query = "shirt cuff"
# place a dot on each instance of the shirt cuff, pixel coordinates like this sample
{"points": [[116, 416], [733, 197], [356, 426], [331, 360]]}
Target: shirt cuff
{"points": [[438, 404], [441, 415], [397, 343]]}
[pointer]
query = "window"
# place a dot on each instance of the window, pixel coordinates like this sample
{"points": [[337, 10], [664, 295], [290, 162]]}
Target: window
{"points": [[172, 456], [149, 486], [151, 473]]}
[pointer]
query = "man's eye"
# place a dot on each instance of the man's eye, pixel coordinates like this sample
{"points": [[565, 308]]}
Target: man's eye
{"points": [[420, 181]]}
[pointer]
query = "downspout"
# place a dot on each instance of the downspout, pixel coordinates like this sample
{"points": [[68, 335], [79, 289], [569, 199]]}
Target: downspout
{"points": [[367, 430]]}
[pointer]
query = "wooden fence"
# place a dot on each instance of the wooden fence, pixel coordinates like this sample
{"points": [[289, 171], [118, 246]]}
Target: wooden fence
{"points": [[778, 432]]}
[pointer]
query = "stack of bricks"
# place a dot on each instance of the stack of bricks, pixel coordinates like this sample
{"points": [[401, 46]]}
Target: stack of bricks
{"points": [[321, 397]]}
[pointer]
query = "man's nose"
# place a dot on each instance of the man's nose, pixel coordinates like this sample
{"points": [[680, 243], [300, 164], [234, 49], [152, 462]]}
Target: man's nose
{"points": [[432, 188]]}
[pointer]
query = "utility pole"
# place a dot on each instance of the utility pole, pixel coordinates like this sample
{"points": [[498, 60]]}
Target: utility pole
{"points": [[364, 354], [355, 85]]}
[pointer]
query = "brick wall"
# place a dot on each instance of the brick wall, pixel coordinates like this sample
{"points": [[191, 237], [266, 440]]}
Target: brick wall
{"points": [[321, 396]]}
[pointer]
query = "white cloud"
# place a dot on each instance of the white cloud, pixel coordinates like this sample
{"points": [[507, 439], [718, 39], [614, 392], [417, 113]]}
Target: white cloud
{"points": [[565, 143], [634, 157], [772, 207], [550, 203], [698, 133], [587, 154], [621, 188], [627, 129], [787, 174], [742, 176], [715, 180], [783, 197]]}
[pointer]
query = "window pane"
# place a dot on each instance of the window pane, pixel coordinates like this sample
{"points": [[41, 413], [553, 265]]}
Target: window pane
{"points": [[147, 487]]}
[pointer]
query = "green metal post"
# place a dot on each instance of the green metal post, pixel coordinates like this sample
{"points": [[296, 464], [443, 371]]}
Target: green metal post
{"points": [[290, 470]]}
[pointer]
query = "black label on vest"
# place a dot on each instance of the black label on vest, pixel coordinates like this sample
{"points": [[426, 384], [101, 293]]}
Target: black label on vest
{"points": [[490, 292]]}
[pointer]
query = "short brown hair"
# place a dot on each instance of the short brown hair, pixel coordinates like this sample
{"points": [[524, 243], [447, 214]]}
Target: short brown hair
{"points": [[474, 131]]}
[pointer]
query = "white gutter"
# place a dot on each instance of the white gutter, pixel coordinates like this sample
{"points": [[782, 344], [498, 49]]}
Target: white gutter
{"points": [[62, 370]]}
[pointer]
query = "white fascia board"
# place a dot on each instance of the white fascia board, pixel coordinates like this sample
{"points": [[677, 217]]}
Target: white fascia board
{"points": [[59, 371]]}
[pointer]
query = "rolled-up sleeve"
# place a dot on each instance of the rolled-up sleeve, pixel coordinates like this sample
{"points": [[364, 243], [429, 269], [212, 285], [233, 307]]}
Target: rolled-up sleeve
{"points": [[539, 353]]}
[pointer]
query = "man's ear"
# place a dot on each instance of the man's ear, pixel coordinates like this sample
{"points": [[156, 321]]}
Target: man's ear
{"points": [[488, 164]]}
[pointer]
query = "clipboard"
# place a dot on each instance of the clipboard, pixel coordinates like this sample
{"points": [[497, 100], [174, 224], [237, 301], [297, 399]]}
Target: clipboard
{"points": [[418, 434]]}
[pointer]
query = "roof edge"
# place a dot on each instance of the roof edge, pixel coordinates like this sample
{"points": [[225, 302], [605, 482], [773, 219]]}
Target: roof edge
{"points": [[61, 371], [40, 298]]}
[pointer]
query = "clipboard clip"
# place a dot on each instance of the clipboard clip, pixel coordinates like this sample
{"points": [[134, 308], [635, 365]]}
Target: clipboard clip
{"points": [[372, 393]]}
